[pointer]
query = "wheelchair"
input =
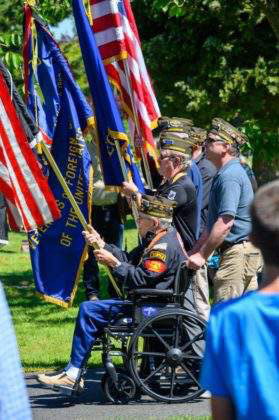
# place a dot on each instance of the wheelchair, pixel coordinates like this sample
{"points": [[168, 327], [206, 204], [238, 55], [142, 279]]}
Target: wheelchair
{"points": [[160, 343]]}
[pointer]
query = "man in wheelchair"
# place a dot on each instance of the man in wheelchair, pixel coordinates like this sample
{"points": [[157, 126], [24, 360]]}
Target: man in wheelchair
{"points": [[153, 264]]}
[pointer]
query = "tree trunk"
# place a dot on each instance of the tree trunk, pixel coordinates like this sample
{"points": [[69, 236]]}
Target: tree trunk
{"points": [[271, 10]]}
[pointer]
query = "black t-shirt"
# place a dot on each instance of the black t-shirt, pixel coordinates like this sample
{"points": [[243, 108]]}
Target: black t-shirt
{"points": [[183, 192], [208, 171]]}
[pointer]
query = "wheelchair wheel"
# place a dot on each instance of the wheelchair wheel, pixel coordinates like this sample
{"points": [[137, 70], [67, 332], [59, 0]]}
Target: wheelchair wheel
{"points": [[124, 392], [166, 367]]}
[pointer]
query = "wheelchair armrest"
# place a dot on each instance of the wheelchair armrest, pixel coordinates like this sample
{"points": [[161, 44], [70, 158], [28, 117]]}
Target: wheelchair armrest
{"points": [[151, 292]]}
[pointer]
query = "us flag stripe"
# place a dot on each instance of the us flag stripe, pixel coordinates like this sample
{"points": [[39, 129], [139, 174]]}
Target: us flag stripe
{"points": [[21, 178], [113, 19]]}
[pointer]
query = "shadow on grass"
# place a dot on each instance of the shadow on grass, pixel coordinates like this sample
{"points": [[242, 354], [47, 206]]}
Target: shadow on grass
{"points": [[20, 291], [55, 365], [8, 251]]}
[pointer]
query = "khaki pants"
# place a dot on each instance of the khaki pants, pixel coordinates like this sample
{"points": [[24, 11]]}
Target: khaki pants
{"points": [[237, 273], [201, 292]]}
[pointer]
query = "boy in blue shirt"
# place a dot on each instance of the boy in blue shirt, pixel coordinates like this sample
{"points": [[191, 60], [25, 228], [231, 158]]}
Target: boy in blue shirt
{"points": [[241, 362]]}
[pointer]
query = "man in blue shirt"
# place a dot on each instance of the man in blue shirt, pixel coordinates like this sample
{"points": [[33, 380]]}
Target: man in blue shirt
{"points": [[207, 171], [241, 360], [229, 221]]}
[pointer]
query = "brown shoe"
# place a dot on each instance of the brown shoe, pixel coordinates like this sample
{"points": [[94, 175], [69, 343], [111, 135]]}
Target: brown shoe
{"points": [[60, 381]]}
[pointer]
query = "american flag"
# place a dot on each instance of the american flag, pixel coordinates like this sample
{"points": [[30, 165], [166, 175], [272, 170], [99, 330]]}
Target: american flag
{"points": [[29, 199], [119, 44]]}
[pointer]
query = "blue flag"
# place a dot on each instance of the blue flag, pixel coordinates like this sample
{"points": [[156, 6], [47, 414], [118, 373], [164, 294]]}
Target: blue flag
{"points": [[57, 250], [109, 123]]}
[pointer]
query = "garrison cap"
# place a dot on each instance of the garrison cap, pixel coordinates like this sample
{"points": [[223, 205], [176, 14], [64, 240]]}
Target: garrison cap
{"points": [[157, 206], [198, 136], [227, 132], [174, 124], [178, 142]]}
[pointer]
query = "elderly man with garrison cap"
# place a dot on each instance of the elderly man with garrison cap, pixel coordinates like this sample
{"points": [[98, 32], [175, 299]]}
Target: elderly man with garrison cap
{"points": [[229, 221], [153, 264], [174, 160]]}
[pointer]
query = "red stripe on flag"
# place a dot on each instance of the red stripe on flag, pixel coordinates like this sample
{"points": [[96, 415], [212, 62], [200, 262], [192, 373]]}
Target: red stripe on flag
{"points": [[146, 103], [24, 168]]}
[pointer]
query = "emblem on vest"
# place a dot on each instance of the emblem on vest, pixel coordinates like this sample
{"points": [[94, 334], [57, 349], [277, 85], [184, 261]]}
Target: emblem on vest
{"points": [[171, 195]]}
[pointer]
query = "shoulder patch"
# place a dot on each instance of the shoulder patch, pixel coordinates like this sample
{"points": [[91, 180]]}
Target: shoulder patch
{"points": [[158, 255], [155, 266], [171, 195], [163, 246]]}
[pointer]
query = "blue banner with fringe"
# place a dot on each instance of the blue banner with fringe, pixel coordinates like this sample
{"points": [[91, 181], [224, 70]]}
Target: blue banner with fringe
{"points": [[57, 250], [109, 124]]}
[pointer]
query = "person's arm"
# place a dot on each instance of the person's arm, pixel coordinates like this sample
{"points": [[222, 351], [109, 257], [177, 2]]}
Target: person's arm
{"points": [[203, 238], [220, 230], [116, 256], [147, 273], [222, 408]]}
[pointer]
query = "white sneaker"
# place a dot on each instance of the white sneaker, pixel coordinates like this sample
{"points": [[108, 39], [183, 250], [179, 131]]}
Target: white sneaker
{"points": [[205, 395]]}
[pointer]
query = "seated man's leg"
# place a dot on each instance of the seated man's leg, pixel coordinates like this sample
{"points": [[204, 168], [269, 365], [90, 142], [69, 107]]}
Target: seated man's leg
{"points": [[90, 322]]}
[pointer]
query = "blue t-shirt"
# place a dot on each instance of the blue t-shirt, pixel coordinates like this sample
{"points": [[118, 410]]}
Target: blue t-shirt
{"points": [[231, 194], [195, 176], [241, 360]]}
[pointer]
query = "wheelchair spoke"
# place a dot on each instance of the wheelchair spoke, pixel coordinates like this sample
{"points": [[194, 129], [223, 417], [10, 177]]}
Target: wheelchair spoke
{"points": [[196, 338], [176, 336], [149, 353], [162, 365], [160, 338], [190, 356], [172, 381], [190, 374]]}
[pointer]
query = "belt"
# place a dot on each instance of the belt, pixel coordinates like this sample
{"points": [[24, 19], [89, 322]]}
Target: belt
{"points": [[226, 245]]}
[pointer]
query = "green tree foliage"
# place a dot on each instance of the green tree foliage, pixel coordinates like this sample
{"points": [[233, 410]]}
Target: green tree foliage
{"points": [[215, 58], [206, 57], [11, 18]]}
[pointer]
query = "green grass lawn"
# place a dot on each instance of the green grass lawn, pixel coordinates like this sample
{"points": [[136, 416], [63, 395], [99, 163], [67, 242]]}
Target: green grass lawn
{"points": [[44, 330]]}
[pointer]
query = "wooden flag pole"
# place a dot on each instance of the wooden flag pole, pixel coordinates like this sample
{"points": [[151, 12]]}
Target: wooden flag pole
{"points": [[143, 155], [73, 202], [125, 176]]}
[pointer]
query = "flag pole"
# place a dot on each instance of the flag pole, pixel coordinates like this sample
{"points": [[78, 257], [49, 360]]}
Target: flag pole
{"points": [[121, 161], [143, 154], [73, 202]]}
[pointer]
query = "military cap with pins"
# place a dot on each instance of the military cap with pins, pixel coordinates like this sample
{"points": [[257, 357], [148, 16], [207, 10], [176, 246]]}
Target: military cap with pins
{"points": [[157, 206], [226, 132], [174, 124], [176, 141]]}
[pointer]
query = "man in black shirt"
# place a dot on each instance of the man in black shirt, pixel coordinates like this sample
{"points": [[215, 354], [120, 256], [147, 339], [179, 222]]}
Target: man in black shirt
{"points": [[174, 159]]}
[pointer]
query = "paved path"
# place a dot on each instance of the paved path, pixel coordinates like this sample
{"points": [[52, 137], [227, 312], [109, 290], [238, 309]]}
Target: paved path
{"points": [[49, 405]]}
